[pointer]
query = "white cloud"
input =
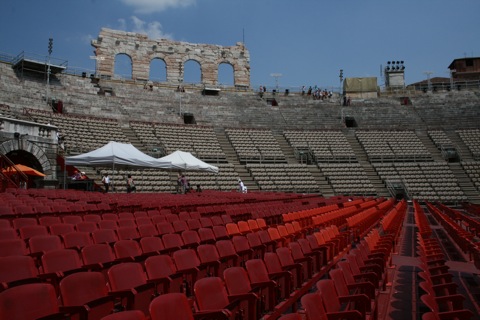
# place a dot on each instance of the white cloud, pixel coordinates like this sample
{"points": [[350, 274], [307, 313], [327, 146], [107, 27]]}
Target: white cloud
{"points": [[151, 6], [152, 29]]}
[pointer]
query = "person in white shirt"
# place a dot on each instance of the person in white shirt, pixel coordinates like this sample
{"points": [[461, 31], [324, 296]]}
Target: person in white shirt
{"points": [[106, 182], [241, 187]]}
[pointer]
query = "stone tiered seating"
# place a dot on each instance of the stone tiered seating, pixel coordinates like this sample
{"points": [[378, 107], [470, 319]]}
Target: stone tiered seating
{"points": [[5, 111], [254, 145], [347, 178], [472, 139], [285, 177], [439, 138], [472, 169], [200, 141], [146, 180], [382, 146], [82, 133], [326, 146], [146, 133], [431, 181]]}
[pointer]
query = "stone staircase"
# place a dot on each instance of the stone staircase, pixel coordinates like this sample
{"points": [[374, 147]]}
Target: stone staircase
{"points": [[325, 189], [287, 150], [362, 159], [465, 183], [428, 143], [231, 157], [462, 149]]}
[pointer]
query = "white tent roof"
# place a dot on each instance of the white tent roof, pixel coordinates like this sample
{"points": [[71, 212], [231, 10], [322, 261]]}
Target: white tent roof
{"points": [[186, 161], [117, 154]]}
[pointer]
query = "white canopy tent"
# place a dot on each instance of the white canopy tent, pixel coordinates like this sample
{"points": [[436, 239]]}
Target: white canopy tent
{"points": [[182, 160], [118, 155]]}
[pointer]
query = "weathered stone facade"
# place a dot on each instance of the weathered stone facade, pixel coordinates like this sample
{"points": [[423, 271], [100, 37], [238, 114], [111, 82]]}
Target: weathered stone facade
{"points": [[143, 50]]}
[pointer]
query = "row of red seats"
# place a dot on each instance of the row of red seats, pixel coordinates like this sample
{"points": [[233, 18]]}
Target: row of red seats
{"points": [[440, 292], [471, 224], [462, 237], [274, 261], [421, 221], [354, 285]]}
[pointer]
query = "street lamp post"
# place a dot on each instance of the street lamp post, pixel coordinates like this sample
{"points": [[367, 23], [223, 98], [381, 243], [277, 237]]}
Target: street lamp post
{"points": [[340, 91], [50, 47], [429, 83], [276, 76]]}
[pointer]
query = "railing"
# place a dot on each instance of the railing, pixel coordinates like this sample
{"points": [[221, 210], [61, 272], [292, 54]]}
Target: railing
{"points": [[10, 175]]}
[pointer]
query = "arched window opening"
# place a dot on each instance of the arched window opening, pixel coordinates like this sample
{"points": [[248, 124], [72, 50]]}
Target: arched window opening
{"points": [[226, 74], [123, 66], [192, 72], [158, 70]]}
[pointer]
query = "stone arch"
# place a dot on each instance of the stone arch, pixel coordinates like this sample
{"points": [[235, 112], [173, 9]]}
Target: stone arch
{"points": [[158, 70], [191, 71], [122, 66], [226, 73], [34, 151], [142, 50]]}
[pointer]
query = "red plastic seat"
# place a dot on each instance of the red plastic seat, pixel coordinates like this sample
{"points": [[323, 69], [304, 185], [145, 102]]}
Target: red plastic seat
{"points": [[172, 241], [227, 252], [210, 258], [32, 301], [179, 226], [259, 275], [77, 240], [72, 219], [151, 245], [239, 286], [314, 308], [206, 235], [162, 271], [275, 266], [220, 232], [130, 276], [86, 226], [23, 222], [333, 303], [12, 247], [17, 270], [59, 263], [242, 247], [48, 220], [191, 239], [61, 228], [128, 233], [108, 224], [188, 264], [164, 227], [40, 244], [126, 315], [9, 233], [87, 291], [104, 236], [98, 256], [176, 306], [30, 231], [211, 295], [128, 250], [194, 224]]}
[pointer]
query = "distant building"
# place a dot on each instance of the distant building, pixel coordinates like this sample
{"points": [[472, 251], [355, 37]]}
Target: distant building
{"points": [[360, 87], [465, 69]]}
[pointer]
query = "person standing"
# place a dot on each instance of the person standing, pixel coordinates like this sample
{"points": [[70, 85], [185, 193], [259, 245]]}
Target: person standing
{"points": [[130, 184], [106, 182], [241, 186]]}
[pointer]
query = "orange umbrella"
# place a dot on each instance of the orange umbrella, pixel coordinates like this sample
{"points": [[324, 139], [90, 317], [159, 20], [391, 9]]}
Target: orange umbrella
{"points": [[25, 169]]}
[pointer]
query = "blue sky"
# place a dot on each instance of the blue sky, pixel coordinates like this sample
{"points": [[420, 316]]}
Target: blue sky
{"points": [[306, 41]]}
